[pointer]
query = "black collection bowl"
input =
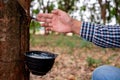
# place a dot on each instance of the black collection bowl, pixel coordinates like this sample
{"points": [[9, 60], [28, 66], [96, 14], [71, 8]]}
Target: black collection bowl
{"points": [[39, 62]]}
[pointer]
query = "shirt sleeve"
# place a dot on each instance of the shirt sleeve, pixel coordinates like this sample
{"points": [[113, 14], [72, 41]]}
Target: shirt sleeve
{"points": [[106, 36]]}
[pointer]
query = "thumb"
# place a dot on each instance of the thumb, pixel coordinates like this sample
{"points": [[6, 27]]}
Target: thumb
{"points": [[57, 11]]}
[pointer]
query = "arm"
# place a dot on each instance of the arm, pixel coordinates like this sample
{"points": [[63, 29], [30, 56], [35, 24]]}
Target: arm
{"points": [[102, 35]]}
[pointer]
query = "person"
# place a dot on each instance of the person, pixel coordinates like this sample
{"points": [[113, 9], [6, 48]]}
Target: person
{"points": [[106, 36]]}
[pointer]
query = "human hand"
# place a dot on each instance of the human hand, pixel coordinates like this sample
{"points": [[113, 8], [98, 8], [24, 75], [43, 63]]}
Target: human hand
{"points": [[57, 20]]}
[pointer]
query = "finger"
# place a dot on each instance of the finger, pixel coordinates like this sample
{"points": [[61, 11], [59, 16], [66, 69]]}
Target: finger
{"points": [[44, 15], [51, 28], [57, 11], [44, 25], [48, 20], [41, 19], [44, 20], [48, 15], [50, 24], [48, 28]]}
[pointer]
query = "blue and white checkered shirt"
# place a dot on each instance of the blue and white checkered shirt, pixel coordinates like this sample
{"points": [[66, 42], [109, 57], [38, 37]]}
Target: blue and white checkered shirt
{"points": [[107, 36]]}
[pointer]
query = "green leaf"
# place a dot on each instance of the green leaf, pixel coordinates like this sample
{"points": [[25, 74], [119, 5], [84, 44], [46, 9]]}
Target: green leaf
{"points": [[83, 8], [36, 11]]}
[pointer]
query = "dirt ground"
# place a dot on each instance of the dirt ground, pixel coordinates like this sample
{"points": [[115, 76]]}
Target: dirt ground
{"points": [[74, 66]]}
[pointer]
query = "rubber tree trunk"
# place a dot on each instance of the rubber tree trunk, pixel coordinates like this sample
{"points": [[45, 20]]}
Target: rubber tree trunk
{"points": [[14, 41]]}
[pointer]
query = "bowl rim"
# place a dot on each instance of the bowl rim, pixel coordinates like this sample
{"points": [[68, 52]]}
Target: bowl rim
{"points": [[54, 55]]}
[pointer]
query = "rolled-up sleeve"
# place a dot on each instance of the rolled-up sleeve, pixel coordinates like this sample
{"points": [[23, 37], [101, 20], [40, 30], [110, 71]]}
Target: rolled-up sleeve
{"points": [[107, 36]]}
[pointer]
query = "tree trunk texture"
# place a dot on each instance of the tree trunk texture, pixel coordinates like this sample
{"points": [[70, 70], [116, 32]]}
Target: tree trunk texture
{"points": [[103, 10], [14, 40]]}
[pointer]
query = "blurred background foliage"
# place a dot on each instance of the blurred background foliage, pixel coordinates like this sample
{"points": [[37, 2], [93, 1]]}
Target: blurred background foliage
{"points": [[98, 11]]}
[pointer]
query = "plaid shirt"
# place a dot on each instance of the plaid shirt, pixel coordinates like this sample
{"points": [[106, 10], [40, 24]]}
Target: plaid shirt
{"points": [[107, 36]]}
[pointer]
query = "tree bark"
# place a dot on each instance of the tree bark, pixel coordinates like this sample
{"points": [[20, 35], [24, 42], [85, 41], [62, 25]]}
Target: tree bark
{"points": [[14, 40], [103, 10]]}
